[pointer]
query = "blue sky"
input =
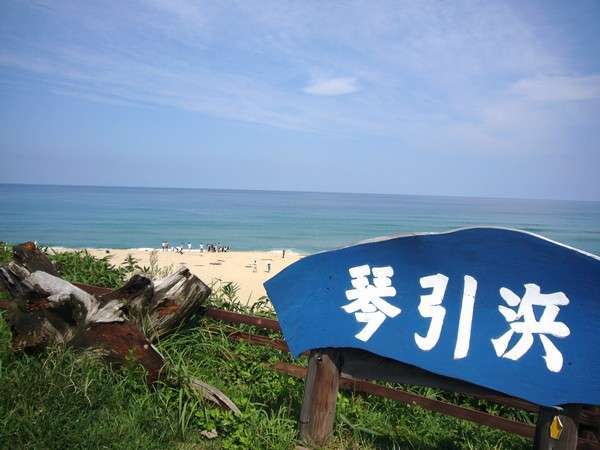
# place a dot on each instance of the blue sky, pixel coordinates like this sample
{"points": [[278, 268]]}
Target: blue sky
{"points": [[451, 98]]}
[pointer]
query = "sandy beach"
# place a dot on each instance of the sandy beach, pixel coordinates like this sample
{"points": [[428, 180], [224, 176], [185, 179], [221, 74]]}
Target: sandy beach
{"points": [[237, 267]]}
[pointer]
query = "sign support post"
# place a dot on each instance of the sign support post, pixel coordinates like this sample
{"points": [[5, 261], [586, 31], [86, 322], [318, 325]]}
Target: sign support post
{"points": [[317, 416], [557, 430]]}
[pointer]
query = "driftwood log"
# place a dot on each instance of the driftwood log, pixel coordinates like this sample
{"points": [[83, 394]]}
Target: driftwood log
{"points": [[121, 324]]}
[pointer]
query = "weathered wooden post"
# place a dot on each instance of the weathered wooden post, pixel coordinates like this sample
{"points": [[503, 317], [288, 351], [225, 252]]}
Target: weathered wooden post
{"points": [[320, 391], [557, 430], [591, 429]]}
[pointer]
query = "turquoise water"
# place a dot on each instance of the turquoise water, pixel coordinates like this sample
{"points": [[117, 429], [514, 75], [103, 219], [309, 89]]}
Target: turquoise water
{"points": [[119, 217]]}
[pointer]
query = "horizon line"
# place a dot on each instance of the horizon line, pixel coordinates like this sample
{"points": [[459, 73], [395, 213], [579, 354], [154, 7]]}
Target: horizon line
{"points": [[302, 192]]}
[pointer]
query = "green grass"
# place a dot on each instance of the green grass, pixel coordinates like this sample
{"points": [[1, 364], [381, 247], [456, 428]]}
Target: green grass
{"points": [[5, 256], [62, 399], [81, 267]]}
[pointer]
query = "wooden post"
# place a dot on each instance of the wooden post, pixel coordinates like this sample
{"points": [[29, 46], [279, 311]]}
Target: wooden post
{"points": [[320, 391], [557, 430], [590, 427]]}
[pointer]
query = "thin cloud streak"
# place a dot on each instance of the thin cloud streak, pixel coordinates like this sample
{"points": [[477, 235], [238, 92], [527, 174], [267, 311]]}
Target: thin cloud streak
{"points": [[559, 89], [332, 87]]}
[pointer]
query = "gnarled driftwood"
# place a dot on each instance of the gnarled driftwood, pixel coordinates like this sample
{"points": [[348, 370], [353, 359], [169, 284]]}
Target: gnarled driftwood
{"points": [[120, 324]]}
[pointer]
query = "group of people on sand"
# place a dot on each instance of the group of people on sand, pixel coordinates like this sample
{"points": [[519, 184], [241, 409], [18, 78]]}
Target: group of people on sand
{"points": [[209, 247], [217, 248], [166, 247]]}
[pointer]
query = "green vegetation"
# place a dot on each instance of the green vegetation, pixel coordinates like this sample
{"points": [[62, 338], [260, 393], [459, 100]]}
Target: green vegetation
{"points": [[5, 252], [81, 267], [62, 399], [5, 256]]}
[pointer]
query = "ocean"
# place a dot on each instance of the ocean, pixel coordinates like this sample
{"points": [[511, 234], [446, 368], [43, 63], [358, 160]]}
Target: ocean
{"points": [[119, 217]]}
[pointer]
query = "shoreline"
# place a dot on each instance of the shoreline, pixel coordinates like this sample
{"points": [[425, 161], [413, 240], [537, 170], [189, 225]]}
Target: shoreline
{"points": [[61, 248], [247, 269]]}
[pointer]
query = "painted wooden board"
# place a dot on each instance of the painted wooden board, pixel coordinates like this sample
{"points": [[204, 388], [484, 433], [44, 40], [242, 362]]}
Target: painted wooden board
{"points": [[500, 308]]}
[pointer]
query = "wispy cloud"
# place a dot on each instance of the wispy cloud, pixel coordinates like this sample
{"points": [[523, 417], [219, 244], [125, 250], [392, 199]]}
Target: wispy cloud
{"points": [[559, 88], [412, 68], [332, 86]]}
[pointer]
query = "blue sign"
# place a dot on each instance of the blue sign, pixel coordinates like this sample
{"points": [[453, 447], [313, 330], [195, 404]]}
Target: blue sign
{"points": [[500, 308]]}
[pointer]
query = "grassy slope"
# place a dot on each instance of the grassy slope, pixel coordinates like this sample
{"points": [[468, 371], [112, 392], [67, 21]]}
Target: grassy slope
{"points": [[60, 399]]}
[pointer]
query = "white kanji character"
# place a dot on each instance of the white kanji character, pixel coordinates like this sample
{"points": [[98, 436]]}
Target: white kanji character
{"points": [[368, 305], [431, 306], [529, 325]]}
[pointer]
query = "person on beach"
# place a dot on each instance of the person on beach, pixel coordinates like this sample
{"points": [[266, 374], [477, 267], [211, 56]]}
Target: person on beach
{"points": [[283, 254], [201, 248], [189, 246]]}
